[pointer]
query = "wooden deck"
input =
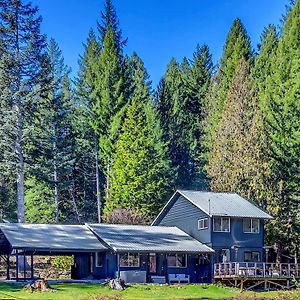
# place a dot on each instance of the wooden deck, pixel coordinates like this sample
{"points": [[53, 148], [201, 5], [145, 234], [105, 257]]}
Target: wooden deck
{"points": [[255, 273]]}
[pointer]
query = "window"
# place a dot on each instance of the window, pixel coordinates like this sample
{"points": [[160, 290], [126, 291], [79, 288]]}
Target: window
{"points": [[251, 256], [203, 223], [251, 225], [99, 259], [130, 260], [177, 260], [221, 224]]}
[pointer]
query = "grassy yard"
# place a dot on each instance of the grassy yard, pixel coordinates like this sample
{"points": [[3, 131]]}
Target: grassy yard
{"points": [[96, 292]]}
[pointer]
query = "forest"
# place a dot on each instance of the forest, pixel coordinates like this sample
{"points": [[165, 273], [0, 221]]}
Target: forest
{"points": [[104, 146]]}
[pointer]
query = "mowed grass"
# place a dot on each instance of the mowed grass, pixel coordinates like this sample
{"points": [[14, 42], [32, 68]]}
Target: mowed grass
{"points": [[77, 291]]}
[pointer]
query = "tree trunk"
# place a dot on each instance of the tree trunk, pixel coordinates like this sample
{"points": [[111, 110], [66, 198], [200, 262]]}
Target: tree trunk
{"points": [[55, 176], [72, 195], [20, 171], [19, 136], [107, 181], [278, 252], [98, 192], [56, 199]]}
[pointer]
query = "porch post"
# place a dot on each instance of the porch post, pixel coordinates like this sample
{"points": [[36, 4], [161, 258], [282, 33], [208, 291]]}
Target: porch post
{"points": [[31, 266], [7, 267], [17, 265], [24, 265], [118, 262]]}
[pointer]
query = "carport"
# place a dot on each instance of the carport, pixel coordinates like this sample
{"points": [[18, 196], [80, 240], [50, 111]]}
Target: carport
{"points": [[23, 241]]}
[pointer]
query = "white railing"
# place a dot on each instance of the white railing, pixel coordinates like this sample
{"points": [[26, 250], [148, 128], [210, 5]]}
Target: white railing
{"points": [[256, 269]]}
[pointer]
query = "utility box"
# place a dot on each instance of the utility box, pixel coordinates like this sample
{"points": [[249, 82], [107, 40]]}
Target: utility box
{"points": [[133, 276]]}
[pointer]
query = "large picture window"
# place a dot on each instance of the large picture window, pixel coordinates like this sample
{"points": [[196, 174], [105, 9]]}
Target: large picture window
{"points": [[251, 256], [221, 224], [251, 225], [130, 260], [177, 260]]}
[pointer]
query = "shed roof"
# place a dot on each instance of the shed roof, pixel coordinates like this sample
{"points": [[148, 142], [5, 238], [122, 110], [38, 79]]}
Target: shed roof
{"points": [[56, 238], [137, 238]]}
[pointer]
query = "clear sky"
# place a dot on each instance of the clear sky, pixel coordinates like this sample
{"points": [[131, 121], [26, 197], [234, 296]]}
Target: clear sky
{"points": [[158, 29]]}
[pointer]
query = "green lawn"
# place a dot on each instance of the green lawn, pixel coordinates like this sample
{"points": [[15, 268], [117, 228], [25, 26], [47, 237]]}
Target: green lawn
{"points": [[97, 292]]}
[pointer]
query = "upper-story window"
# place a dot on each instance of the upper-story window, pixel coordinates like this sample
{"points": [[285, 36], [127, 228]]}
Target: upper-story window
{"points": [[203, 223], [221, 224], [251, 225]]}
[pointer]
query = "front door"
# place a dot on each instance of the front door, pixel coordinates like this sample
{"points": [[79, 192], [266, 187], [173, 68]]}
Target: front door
{"points": [[152, 263]]}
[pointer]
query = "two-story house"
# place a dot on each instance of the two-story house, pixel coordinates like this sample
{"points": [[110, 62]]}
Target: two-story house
{"points": [[226, 222]]}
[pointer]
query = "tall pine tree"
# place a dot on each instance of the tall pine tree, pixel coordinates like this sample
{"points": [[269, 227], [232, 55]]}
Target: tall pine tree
{"points": [[140, 170], [282, 119], [23, 61]]}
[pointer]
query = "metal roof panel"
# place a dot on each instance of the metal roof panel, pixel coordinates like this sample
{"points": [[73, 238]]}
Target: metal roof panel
{"points": [[140, 238]]}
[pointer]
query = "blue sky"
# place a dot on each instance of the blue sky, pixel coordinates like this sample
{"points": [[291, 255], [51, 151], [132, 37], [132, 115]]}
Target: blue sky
{"points": [[158, 29]]}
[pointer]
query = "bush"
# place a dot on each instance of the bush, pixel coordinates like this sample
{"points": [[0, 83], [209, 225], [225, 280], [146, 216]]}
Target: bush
{"points": [[63, 263]]}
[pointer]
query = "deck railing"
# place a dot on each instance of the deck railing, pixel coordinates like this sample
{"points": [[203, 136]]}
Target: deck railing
{"points": [[256, 270]]}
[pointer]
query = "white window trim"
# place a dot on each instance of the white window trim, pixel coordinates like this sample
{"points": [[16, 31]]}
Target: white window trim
{"points": [[203, 219], [97, 260], [185, 258], [130, 253], [221, 224], [251, 231]]}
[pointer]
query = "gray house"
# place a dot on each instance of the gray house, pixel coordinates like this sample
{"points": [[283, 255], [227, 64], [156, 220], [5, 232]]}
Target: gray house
{"points": [[228, 223]]}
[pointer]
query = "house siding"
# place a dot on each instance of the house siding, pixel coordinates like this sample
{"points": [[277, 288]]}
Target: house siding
{"points": [[198, 273], [184, 215]]}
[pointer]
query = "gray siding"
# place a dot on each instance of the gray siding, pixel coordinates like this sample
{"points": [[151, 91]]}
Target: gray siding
{"points": [[236, 236], [184, 215]]}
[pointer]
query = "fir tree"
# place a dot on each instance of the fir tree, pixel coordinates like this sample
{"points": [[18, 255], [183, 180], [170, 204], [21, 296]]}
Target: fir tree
{"points": [[23, 61], [180, 103], [87, 140], [237, 46], [139, 176], [282, 116], [108, 101], [109, 19], [52, 146], [237, 161]]}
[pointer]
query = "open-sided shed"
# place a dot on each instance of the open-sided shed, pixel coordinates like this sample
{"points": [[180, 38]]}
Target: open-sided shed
{"points": [[27, 240]]}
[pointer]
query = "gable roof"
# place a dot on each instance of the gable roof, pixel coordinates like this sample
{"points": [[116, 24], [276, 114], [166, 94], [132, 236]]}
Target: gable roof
{"points": [[219, 204], [137, 238], [45, 237]]}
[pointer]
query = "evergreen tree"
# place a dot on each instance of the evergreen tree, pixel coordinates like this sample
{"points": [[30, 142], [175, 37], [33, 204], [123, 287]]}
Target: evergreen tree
{"points": [[23, 66], [237, 46], [52, 148], [87, 140], [139, 176], [108, 101], [282, 116], [180, 102], [236, 163], [109, 18]]}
